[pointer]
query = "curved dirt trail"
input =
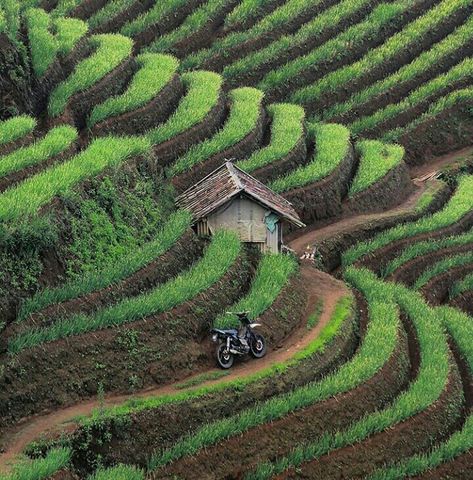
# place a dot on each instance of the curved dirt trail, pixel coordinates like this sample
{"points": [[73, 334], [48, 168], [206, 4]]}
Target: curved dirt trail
{"points": [[320, 285]]}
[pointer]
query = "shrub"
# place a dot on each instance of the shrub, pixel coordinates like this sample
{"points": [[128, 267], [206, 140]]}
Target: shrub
{"points": [[332, 143], [203, 92], [245, 112], [155, 72], [15, 128], [274, 272], [110, 51], [376, 161], [287, 130], [218, 258]]}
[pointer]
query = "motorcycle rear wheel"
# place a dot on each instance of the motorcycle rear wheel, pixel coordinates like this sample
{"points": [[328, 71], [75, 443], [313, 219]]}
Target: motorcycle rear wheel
{"points": [[258, 346], [225, 359]]}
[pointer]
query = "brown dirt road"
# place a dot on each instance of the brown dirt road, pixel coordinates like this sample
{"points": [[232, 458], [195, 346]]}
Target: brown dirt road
{"points": [[321, 286]]}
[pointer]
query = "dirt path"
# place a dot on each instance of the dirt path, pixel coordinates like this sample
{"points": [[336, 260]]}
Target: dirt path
{"points": [[439, 162], [321, 286]]}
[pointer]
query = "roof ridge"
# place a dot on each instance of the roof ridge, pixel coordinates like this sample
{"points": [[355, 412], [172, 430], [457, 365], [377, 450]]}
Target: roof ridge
{"points": [[234, 173]]}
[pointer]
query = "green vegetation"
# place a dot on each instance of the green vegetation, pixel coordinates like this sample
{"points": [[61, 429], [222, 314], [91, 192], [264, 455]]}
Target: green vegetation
{"points": [[119, 472], [422, 392], [218, 258], [16, 128], [203, 92], [40, 468], [274, 273], [314, 317], [462, 286], [44, 45], [457, 207], [460, 328], [401, 41], [332, 143], [371, 356], [65, 7], [25, 199], [245, 112], [419, 249], [376, 161], [196, 21], [423, 63], [111, 50], [312, 29], [246, 10], [129, 264], [155, 72], [154, 15], [202, 378], [108, 12], [10, 18], [56, 141], [287, 130], [443, 266]]}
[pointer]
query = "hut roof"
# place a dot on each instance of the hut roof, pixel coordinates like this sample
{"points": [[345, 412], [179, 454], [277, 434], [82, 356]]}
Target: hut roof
{"points": [[227, 182]]}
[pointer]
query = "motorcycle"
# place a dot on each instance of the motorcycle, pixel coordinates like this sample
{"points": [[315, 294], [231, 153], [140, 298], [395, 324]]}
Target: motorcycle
{"points": [[233, 342]]}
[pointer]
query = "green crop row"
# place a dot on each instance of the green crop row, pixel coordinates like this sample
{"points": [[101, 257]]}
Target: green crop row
{"points": [[56, 141], [15, 128], [287, 130], [245, 112], [370, 357], [131, 263], [108, 12], [25, 199], [44, 45], [203, 92], [193, 23], [426, 389], [419, 249], [111, 50], [276, 19], [155, 72], [64, 8], [458, 98], [219, 256], [343, 312], [460, 328], [273, 274], [457, 207], [402, 41], [40, 468], [462, 286], [153, 16], [246, 10], [423, 63], [119, 472], [461, 72], [316, 27], [332, 143], [376, 160], [379, 18], [10, 18], [443, 266]]}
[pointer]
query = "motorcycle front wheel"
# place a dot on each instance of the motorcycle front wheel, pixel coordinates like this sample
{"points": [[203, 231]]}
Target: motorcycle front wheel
{"points": [[224, 357], [258, 346]]}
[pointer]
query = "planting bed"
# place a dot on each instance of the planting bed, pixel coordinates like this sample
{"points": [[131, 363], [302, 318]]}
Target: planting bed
{"points": [[112, 108]]}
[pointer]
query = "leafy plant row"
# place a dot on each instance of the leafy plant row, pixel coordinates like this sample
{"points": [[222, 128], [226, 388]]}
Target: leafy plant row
{"points": [[458, 206], [371, 356], [175, 227], [107, 13], [287, 130], [274, 273], [431, 379], [376, 161], [245, 111], [427, 60], [16, 128], [411, 35], [218, 258], [462, 286], [332, 143], [45, 45], [155, 72]]}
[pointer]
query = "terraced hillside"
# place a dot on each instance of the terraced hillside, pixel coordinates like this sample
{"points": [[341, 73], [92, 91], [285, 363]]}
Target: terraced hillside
{"points": [[109, 111]]}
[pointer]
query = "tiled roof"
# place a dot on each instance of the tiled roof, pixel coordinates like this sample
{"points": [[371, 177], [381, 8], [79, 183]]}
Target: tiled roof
{"points": [[226, 182]]}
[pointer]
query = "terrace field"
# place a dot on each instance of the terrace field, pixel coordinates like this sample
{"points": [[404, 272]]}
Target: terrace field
{"points": [[357, 112]]}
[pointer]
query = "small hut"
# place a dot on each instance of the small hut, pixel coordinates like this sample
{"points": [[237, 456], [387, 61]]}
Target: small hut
{"points": [[230, 198]]}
